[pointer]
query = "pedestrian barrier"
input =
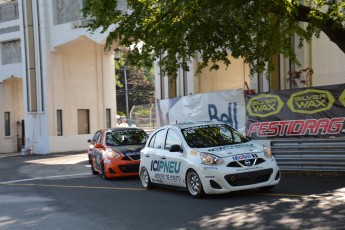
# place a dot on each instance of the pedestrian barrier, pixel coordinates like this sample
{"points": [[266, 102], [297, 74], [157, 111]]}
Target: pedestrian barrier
{"points": [[313, 154]]}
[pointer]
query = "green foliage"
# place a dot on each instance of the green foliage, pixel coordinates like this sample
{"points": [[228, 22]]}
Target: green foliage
{"points": [[175, 31], [140, 85]]}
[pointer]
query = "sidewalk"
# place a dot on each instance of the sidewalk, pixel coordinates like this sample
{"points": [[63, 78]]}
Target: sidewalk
{"points": [[3, 155]]}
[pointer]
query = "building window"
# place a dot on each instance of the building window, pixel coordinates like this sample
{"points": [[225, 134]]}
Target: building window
{"points": [[108, 118], [83, 121], [7, 124], [59, 122]]}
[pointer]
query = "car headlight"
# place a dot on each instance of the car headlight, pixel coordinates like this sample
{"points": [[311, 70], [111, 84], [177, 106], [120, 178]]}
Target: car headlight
{"points": [[209, 159], [268, 152], [112, 154]]}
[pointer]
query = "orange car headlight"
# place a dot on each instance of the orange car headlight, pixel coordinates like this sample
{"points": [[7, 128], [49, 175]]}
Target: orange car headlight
{"points": [[112, 154]]}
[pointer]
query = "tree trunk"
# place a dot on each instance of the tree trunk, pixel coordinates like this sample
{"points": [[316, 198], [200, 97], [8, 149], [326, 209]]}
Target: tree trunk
{"points": [[328, 27]]}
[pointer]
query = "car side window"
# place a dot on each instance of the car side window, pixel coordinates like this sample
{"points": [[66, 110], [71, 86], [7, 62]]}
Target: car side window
{"points": [[152, 141], [100, 136], [158, 140], [95, 137], [172, 139]]}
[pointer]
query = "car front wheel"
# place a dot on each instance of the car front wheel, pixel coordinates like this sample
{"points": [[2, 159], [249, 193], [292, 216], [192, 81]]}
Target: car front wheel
{"points": [[145, 178], [194, 184]]}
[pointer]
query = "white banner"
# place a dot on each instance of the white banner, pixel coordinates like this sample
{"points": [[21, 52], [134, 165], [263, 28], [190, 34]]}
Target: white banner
{"points": [[227, 106]]}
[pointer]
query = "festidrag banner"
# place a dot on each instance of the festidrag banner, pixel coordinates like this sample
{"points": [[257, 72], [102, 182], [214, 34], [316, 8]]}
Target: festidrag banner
{"points": [[304, 112], [226, 106]]}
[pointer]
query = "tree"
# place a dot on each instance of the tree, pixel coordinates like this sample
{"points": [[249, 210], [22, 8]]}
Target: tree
{"points": [[140, 84], [175, 31]]}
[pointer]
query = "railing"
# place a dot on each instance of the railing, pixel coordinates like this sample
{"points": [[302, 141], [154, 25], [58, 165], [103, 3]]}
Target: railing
{"points": [[317, 154]]}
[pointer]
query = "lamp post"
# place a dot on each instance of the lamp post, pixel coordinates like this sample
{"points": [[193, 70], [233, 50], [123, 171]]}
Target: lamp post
{"points": [[117, 57]]}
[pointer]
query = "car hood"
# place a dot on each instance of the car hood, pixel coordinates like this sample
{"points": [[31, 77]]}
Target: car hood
{"points": [[231, 150], [128, 149]]}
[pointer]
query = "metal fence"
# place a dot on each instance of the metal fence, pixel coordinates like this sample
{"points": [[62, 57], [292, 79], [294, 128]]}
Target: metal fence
{"points": [[317, 154], [144, 116]]}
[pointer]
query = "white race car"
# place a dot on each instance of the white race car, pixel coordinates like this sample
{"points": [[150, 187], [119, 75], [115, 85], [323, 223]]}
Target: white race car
{"points": [[206, 157]]}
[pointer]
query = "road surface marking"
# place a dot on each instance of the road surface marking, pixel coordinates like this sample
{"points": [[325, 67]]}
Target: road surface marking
{"points": [[42, 178], [74, 186]]}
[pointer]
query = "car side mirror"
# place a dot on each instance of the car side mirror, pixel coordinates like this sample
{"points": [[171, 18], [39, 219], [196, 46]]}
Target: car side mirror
{"points": [[175, 148], [98, 145], [89, 140]]}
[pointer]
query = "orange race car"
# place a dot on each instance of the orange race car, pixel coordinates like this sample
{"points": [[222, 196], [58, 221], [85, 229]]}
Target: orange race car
{"points": [[116, 152]]}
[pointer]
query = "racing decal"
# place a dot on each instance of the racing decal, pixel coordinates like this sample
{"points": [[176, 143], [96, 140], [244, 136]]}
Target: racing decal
{"points": [[310, 101], [132, 154], [166, 166], [209, 177], [244, 156], [159, 177], [264, 105], [249, 168], [222, 148], [210, 168]]}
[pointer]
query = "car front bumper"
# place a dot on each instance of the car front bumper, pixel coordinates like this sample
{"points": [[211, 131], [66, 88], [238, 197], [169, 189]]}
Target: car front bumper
{"points": [[217, 179]]}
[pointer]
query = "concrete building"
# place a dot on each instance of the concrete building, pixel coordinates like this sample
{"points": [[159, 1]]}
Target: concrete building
{"points": [[57, 83]]}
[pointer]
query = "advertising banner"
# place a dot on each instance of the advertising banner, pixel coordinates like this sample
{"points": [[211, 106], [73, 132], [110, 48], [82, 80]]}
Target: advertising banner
{"points": [[303, 112], [227, 106]]}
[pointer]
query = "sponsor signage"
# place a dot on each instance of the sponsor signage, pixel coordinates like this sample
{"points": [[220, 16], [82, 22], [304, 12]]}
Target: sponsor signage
{"points": [[226, 106], [304, 112]]}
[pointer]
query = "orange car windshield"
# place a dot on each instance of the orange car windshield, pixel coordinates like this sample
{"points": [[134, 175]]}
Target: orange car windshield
{"points": [[125, 137]]}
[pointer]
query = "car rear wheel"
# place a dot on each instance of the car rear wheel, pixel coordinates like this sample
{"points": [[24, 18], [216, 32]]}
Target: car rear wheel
{"points": [[104, 175], [194, 184], [145, 178]]}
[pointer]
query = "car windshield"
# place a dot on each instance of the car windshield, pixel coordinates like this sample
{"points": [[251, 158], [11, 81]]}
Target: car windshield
{"points": [[212, 135], [126, 137]]}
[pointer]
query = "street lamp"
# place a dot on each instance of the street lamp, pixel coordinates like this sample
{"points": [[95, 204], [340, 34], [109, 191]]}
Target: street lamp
{"points": [[117, 56]]}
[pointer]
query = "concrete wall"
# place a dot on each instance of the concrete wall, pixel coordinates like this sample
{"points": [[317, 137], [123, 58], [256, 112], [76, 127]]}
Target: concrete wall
{"points": [[328, 62], [229, 78]]}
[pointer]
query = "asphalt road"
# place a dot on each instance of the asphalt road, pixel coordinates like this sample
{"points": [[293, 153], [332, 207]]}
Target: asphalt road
{"points": [[59, 192]]}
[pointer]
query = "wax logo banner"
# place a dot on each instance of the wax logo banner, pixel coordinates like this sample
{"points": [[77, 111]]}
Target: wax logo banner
{"points": [[304, 112], [311, 101], [264, 105]]}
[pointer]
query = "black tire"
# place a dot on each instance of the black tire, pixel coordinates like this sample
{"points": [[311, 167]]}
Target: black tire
{"points": [[194, 184], [94, 172], [267, 188], [145, 178], [104, 175]]}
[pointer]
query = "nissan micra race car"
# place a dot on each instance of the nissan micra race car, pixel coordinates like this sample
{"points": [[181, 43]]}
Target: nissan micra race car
{"points": [[206, 157], [116, 152]]}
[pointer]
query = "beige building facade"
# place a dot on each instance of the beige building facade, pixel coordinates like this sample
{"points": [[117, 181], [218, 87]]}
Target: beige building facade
{"points": [[57, 84], [322, 56]]}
